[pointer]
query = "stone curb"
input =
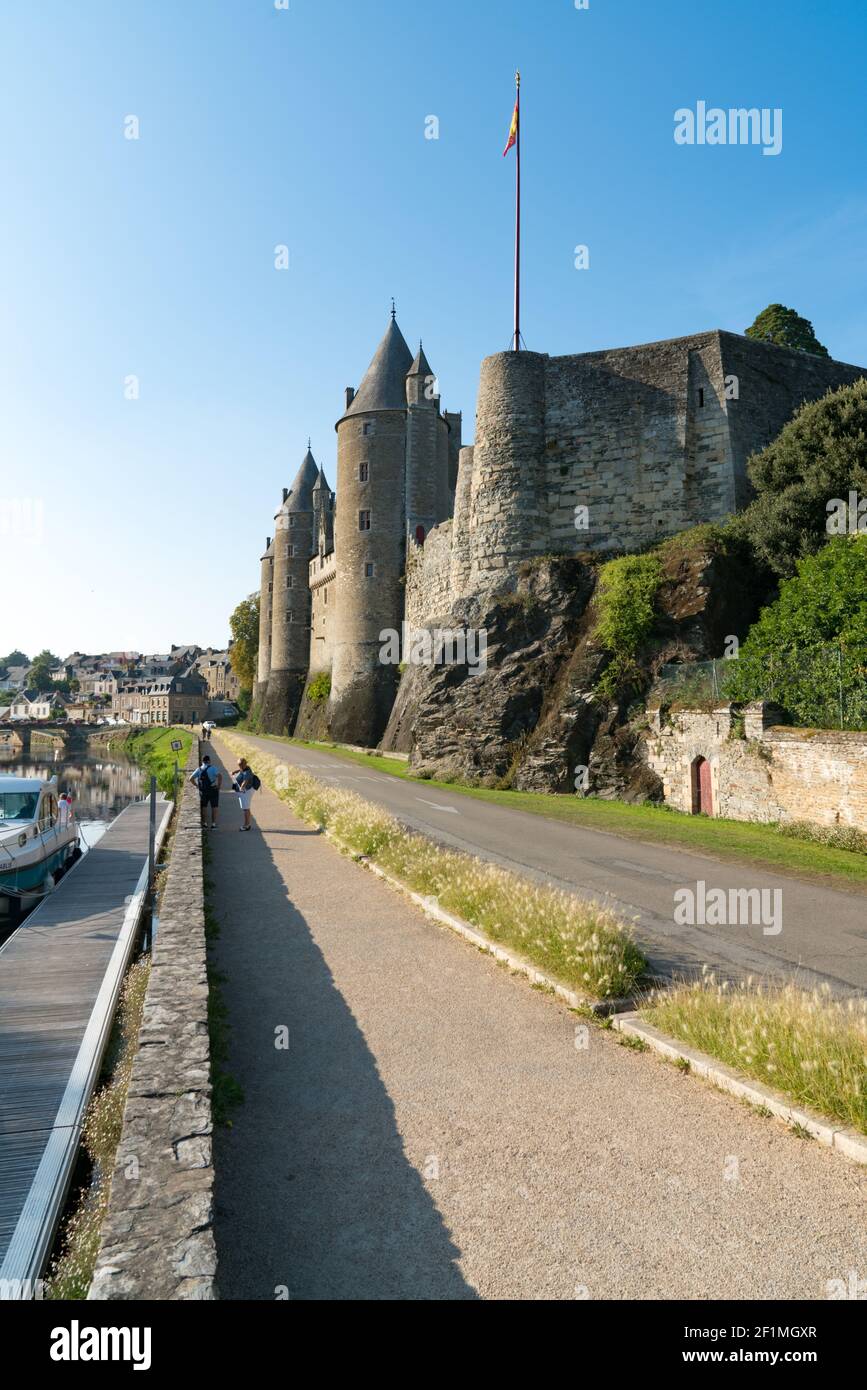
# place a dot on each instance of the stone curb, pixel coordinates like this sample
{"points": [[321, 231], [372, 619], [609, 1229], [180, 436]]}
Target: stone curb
{"points": [[846, 1141]]}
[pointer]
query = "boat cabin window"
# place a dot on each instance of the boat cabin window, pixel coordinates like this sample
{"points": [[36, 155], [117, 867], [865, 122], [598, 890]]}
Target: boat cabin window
{"points": [[18, 805]]}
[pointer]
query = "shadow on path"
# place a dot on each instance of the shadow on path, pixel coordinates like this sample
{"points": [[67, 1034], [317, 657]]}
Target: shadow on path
{"points": [[314, 1192]]}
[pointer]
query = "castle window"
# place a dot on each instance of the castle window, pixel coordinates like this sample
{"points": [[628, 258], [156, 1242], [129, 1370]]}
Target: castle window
{"points": [[369, 427], [290, 551], [363, 472], [325, 598], [700, 396], [564, 469], [420, 534], [364, 521], [290, 615], [270, 588], [290, 581], [291, 521], [368, 571]]}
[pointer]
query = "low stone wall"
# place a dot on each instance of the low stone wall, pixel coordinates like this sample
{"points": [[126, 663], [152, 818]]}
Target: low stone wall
{"points": [[157, 1237], [761, 770]]}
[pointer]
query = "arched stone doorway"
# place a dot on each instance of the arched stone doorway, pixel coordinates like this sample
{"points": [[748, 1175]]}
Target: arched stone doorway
{"points": [[702, 791]]}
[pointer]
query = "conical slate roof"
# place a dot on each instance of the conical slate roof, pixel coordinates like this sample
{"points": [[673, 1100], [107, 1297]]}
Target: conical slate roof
{"points": [[421, 366], [322, 482], [300, 497], [384, 384]]}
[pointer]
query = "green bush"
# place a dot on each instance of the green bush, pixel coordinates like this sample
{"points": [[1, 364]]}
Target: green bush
{"points": [[808, 650], [626, 598], [319, 688]]}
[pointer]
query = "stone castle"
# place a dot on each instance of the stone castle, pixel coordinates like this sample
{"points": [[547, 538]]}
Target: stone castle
{"points": [[601, 451]]}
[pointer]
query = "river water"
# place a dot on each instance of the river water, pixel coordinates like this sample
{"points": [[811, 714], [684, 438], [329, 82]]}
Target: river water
{"points": [[100, 785]]}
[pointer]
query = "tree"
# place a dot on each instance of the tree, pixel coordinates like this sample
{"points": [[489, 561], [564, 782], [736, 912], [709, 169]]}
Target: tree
{"points": [[803, 479], [783, 326], [244, 627], [39, 676], [808, 650], [16, 658]]}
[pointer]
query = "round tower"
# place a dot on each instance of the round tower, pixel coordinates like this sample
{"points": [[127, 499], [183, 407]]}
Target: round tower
{"points": [[266, 591], [509, 504], [370, 544], [294, 545]]}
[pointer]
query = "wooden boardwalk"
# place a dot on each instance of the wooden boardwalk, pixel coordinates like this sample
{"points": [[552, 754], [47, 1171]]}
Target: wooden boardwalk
{"points": [[60, 975]]}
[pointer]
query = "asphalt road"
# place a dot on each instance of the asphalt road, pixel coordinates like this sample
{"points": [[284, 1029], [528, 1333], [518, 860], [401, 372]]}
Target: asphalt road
{"points": [[823, 935], [419, 1124]]}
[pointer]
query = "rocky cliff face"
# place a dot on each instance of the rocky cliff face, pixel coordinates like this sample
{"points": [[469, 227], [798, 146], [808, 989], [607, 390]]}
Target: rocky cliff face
{"points": [[532, 720]]}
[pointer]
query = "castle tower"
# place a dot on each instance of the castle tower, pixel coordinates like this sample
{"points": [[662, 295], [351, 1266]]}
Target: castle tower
{"points": [[323, 516], [427, 452], [369, 542], [266, 593], [509, 501], [294, 546]]}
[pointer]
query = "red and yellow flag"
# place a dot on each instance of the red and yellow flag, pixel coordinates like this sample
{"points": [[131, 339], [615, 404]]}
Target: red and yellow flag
{"points": [[513, 131]]}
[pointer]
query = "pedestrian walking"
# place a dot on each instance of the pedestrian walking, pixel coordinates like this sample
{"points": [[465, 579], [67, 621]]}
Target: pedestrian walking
{"points": [[245, 783], [209, 781]]}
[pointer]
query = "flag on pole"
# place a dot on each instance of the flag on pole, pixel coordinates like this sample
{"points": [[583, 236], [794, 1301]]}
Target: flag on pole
{"points": [[513, 132]]}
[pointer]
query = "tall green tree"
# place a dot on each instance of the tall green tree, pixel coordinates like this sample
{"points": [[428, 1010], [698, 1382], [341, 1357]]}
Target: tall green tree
{"points": [[783, 326], [39, 677], [819, 458], [244, 627], [16, 658]]}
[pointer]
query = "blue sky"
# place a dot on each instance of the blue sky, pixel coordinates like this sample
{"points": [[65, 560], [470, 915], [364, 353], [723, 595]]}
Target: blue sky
{"points": [[306, 127]]}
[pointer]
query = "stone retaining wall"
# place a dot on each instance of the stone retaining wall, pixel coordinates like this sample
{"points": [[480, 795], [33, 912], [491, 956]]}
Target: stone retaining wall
{"points": [[769, 773], [157, 1237]]}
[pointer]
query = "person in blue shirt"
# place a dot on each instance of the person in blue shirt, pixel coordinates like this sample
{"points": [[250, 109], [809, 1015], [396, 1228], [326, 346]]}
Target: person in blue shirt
{"points": [[209, 781]]}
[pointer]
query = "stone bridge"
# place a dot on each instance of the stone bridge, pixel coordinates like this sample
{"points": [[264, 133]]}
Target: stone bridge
{"points": [[17, 738]]}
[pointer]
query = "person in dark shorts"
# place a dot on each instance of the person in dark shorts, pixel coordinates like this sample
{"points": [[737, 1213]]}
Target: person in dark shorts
{"points": [[209, 781]]}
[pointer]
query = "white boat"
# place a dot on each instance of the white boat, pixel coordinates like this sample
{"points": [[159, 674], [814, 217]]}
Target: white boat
{"points": [[38, 835]]}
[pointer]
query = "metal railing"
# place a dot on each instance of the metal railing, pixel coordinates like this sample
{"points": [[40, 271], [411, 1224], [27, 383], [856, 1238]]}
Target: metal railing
{"points": [[817, 687]]}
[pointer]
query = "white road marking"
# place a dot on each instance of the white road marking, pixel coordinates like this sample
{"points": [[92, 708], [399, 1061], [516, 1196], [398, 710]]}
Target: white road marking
{"points": [[451, 809]]}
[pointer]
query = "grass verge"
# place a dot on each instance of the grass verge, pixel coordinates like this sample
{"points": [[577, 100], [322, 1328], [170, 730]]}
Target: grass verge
{"points": [[152, 749], [584, 945], [766, 845], [810, 1046], [71, 1273]]}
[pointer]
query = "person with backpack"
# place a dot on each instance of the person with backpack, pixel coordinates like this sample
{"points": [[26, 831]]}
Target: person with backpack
{"points": [[209, 781], [245, 782]]}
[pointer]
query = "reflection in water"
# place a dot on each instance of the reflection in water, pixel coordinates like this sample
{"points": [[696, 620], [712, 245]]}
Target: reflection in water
{"points": [[100, 787]]}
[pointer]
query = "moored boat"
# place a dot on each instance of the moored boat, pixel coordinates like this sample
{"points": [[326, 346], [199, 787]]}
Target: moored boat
{"points": [[38, 835]]}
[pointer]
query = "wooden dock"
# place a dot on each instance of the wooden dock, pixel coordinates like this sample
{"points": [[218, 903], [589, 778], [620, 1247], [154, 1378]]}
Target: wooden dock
{"points": [[60, 976]]}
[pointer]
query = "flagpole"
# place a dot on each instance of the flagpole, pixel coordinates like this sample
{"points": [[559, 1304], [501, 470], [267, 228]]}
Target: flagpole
{"points": [[517, 343]]}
